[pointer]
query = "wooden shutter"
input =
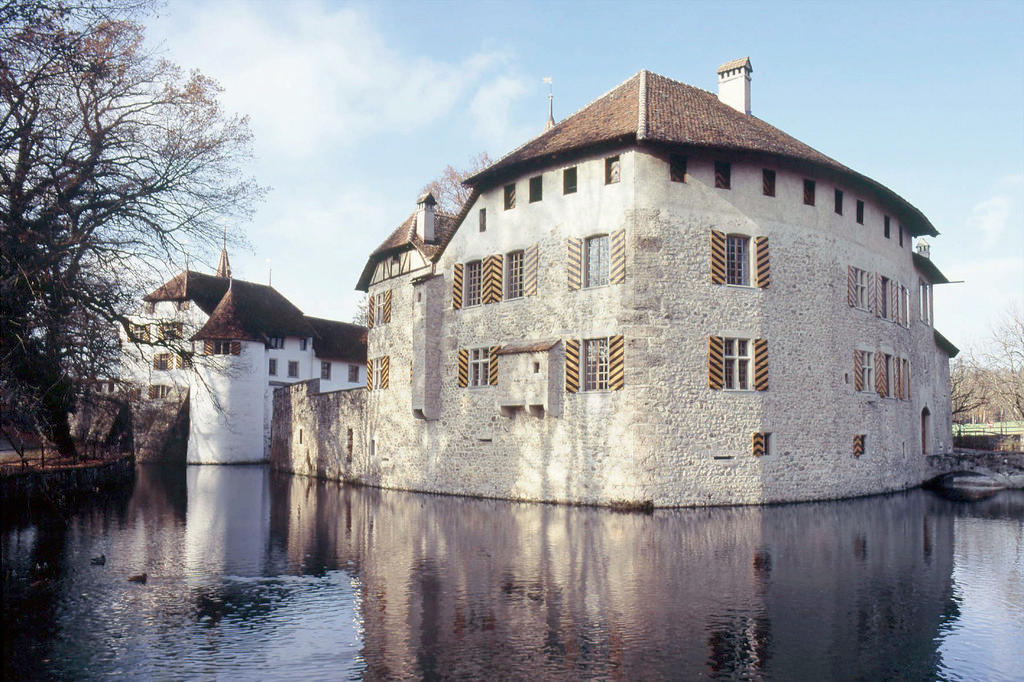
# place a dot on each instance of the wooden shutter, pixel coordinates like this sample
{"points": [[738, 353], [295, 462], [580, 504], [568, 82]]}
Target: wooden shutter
{"points": [[492, 267], [179, 361], [618, 251], [858, 374], [894, 302], [716, 362], [387, 307], [879, 295], [370, 311], [616, 363], [851, 286], [207, 347], [152, 392], [457, 287], [764, 272], [530, 271], [858, 445], [369, 374], [717, 257], [761, 364], [236, 347], [881, 375], [758, 445], [463, 367], [156, 360], [574, 263], [572, 365], [492, 367], [906, 378], [385, 371]]}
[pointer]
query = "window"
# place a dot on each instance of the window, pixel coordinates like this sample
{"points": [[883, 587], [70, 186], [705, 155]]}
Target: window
{"points": [[596, 261], [860, 289], [479, 366], [677, 168], [900, 228], [536, 188], [149, 307], [736, 360], [293, 369], [353, 374], [379, 307], [275, 342], [159, 391], [140, 332], [272, 367], [303, 344], [325, 370], [569, 180], [221, 348], [839, 201], [471, 294], [514, 275], [809, 192], [860, 211], [884, 299], [885, 228], [483, 219], [184, 305], [510, 196], [723, 175], [737, 270], [925, 312], [768, 182], [170, 330], [163, 361], [611, 170], [595, 364], [867, 370]]}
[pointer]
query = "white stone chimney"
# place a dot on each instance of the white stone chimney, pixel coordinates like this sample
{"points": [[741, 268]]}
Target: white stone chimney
{"points": [[924, 249], [734, 84], [425, 217]]}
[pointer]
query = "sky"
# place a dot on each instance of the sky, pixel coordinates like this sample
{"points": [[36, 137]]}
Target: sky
{"points": [[356, 106]]}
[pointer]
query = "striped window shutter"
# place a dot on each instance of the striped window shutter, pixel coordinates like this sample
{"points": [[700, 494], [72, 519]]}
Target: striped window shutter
{"points": [[758, 445], [385, 371], [717, 257], [530, 271], [457, 287], [906, 371], [858, 376], [575, 263], [879, 295], [156, 361], [618, 251], [370, 311], [716, 362], [616, 363], [897, 379], [236, 347], [369, 374], [858, 445], [894, 306], [463, 367], [152, 392], [179, 362], [764, 271], [572, 365], [881, 378], [851, 286], [387, 307], [761, 364], [207, 347], [492, 367], [491, 292]]}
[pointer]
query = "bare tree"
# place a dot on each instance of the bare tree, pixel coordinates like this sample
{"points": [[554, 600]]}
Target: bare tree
{"points": [[448, 189], [111, 161], [362, 316], [1005, 359], [968, 386]]}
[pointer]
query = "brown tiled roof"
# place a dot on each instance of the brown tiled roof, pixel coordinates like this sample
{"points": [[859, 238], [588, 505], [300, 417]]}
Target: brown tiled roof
{"points": [[654, 110], [405, 237], [253, 312], [338, 340], [735, 64], [206, 291]]}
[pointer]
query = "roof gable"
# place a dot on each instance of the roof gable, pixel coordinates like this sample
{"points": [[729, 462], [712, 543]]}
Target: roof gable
{"points": [[253, 312]]}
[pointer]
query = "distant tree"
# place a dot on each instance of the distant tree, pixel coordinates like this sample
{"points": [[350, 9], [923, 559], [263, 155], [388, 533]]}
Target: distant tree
{"points": [[362, 315], [111, 161], [969, 387], [448, 189], [1004, 357]]}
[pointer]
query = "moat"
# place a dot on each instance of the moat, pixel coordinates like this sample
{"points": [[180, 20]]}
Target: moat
{"points": [[255, 575]]}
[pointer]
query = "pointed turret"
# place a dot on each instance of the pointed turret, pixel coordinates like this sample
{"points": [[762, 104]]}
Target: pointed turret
{"points": [[223, 266]]}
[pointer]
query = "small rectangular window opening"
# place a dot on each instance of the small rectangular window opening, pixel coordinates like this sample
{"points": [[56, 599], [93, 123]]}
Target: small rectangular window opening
{"points": [[677, 168], [723, 175], [885, 228], [536, 368], [839, 201], [325, 370], [860, 211], [353, 374], [809, 192], [569, 180], [900, 228], [768, 182], [510, 196], [611, 170], [272, 369], [536, 188], [483, 219], [293, 369]]}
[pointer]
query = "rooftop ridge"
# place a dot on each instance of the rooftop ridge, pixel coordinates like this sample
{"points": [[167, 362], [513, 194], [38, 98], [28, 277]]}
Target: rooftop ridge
{"points": [[641, 106]]}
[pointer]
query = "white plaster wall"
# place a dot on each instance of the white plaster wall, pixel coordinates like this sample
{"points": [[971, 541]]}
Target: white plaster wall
{"points": [[137, 360]]}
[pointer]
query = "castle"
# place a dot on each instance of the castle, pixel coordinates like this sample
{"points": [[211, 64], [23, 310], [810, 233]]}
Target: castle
{"points": [[223, 345], [661, 300]]}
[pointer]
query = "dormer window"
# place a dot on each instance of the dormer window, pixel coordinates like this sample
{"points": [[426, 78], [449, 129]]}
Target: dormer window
{"points": [[275, 342], [611, 170]]}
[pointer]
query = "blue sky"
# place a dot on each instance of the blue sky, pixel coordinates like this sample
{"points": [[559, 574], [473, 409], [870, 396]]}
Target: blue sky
{"points": [[356, 106]]}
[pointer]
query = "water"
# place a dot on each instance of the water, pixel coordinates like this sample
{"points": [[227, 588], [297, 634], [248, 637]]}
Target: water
{"points": [[253, 575]]}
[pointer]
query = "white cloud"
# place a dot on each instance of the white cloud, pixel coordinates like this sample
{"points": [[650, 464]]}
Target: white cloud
{"points": [[491, 113], [966, 312], [994, 215]]}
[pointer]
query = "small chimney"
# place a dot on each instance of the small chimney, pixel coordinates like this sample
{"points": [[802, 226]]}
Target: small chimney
{"points": [[923, 248], [734, 84], [425, 217]]}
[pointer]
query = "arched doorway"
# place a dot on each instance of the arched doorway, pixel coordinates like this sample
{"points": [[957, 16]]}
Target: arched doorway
{"points": [[925, 414]]}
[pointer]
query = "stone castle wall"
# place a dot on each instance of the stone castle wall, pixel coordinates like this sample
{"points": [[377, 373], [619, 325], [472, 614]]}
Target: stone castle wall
{"points": [[665, 437]]}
